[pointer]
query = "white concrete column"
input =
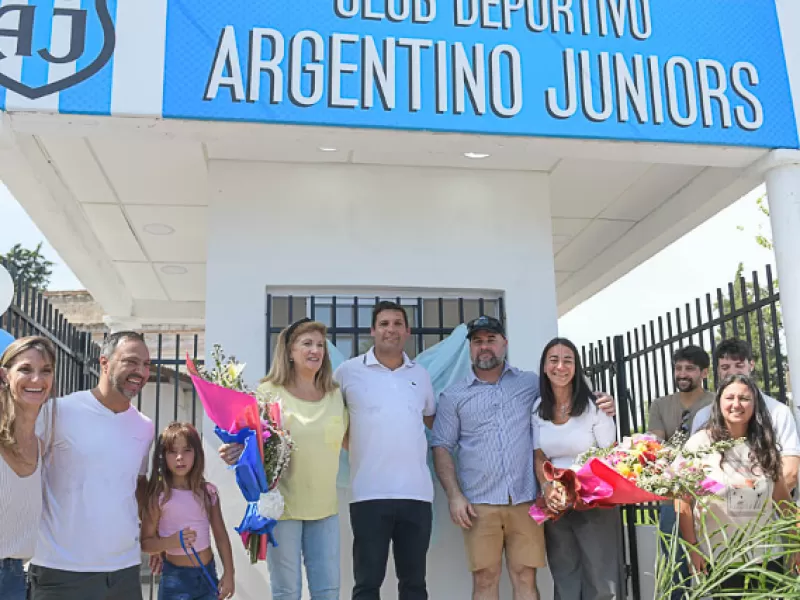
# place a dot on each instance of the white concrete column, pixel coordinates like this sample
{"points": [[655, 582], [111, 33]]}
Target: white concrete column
{"points": [[782, 174]]}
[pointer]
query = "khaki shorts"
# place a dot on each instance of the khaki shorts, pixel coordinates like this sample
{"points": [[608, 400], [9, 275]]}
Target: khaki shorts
{"points": [[509, 527]]}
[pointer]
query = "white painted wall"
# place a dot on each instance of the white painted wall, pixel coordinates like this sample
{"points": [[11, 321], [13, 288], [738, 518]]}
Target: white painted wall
{"points": [[370, 227], [356, 227], [367, 227]]}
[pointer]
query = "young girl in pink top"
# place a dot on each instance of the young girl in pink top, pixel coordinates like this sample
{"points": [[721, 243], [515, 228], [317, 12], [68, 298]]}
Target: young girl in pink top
{"points": [[181, 509]]}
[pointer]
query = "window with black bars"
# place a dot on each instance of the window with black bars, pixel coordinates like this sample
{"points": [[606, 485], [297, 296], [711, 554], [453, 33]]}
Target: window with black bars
{"points": [[349, 318]]}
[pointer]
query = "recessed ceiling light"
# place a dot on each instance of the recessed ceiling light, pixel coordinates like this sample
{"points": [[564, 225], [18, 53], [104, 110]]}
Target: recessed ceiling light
{"points": [[174, 270], [158, 229], [327, 149], [476, 155]]}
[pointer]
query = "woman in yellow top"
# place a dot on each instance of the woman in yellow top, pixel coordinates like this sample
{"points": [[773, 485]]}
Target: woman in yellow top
{"points": [[315, 415]]}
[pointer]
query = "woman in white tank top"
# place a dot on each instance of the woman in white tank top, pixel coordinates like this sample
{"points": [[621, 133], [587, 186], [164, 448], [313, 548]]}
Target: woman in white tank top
{"points": [[27, 369]]}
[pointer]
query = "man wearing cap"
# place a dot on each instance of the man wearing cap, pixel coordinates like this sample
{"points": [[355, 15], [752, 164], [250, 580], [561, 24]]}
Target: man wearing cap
{"points": [[486, 418]]}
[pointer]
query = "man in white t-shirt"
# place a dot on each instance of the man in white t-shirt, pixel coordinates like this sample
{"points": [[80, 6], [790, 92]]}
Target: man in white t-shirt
{"points": [[95, 464], [735, 357], [390, 400]]}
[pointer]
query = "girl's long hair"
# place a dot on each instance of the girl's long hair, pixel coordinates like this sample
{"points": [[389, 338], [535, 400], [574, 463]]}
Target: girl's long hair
{"points": [[582, 396], [760, 436], [159, 487], [8, 407], [281, 373]]}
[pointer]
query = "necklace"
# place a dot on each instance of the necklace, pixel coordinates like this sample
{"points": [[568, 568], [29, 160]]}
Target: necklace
{"points": [[564, 410]]}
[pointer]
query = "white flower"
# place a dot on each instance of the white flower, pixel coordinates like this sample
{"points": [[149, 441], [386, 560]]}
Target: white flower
{"points": [[270, 505]]}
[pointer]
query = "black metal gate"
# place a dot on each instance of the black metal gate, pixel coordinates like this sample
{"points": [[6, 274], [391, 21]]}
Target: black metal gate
{"points": [[31, 314], [636, 367], [349, 318]]}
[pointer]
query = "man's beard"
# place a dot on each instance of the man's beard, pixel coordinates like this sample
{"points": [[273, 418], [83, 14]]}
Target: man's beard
{"points": [[487, 364], [119, 385], [692, 385]]}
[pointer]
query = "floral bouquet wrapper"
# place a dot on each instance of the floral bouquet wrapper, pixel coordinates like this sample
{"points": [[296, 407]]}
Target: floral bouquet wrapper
{"points": [[640, 469], [595, 485], [236, 416]]}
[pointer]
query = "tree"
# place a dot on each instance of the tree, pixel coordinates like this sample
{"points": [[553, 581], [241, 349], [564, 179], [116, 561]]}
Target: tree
{"points": [[763, 207], [762, 204], [29, 265], [747, 327], [770, 337]]}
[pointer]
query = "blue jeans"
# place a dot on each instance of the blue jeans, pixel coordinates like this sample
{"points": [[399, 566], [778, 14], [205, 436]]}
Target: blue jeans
{"points": [[317, 542], [12, 579], [187, 583], [667, 520]]}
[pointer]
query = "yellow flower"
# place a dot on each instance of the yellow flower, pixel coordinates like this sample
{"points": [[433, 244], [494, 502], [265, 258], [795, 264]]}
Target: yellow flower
{"points": [[624, 470], [638, 469]]}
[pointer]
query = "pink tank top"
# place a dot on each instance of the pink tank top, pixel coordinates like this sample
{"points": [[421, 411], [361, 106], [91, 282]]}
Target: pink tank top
{"points": [[183, 510]]}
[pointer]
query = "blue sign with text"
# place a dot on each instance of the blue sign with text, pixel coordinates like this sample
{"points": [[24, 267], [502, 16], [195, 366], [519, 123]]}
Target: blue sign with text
{"points": [[709, 72]]}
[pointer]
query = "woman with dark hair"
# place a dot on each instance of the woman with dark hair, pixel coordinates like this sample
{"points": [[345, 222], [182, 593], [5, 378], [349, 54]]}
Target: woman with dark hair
{"points": [[582, 546], [750, 471]]}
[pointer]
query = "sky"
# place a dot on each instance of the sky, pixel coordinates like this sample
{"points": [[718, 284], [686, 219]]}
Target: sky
{"points": [[698, 263]]}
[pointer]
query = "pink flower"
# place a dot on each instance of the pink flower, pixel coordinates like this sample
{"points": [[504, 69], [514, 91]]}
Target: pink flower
{"points": [[712, 487], [275, 413]]}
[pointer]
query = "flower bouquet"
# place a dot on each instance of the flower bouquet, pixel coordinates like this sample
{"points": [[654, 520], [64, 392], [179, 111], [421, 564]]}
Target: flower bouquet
{"points": [[244, 417], [639, 469]]}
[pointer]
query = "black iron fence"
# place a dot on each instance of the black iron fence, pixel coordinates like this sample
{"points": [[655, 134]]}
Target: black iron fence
{"points": [[636, 367], [30, 313], [349, 318], [169, 395]]}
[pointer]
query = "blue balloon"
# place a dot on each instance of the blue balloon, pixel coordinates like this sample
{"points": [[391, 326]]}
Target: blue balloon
{"points": [[5, 340]]}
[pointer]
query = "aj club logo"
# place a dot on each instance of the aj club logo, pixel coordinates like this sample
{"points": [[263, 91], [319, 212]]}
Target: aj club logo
{"points": [[17, 23]]}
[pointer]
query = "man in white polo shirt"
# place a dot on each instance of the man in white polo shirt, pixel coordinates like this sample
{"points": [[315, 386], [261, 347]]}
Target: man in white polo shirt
{"points": [[96, 451], [391, 401], [735, 357]]}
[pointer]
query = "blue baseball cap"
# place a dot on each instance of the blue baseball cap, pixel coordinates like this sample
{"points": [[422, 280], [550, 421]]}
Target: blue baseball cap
{"points": [[485, 323]]}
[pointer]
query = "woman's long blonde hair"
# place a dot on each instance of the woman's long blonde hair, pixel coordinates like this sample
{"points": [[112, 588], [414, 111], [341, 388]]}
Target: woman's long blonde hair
{"points": [[281, 373], [8, 410]]}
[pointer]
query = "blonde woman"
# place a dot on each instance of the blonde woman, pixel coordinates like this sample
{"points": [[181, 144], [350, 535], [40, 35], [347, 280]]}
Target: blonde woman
{"points": [[315, 415], [27, 371]]}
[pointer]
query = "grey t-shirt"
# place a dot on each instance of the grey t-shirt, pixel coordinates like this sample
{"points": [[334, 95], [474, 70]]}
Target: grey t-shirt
{"points": [[667, 413]]}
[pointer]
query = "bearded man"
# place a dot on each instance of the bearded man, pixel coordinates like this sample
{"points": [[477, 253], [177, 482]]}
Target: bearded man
{"points": [[673, 414], [486, 421], [95, 460]]}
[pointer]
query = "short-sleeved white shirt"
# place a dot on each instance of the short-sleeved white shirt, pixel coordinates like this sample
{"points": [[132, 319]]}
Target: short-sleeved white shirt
{"points": [[562, 444], [90, 519], [388, 445], [782, 421]]}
